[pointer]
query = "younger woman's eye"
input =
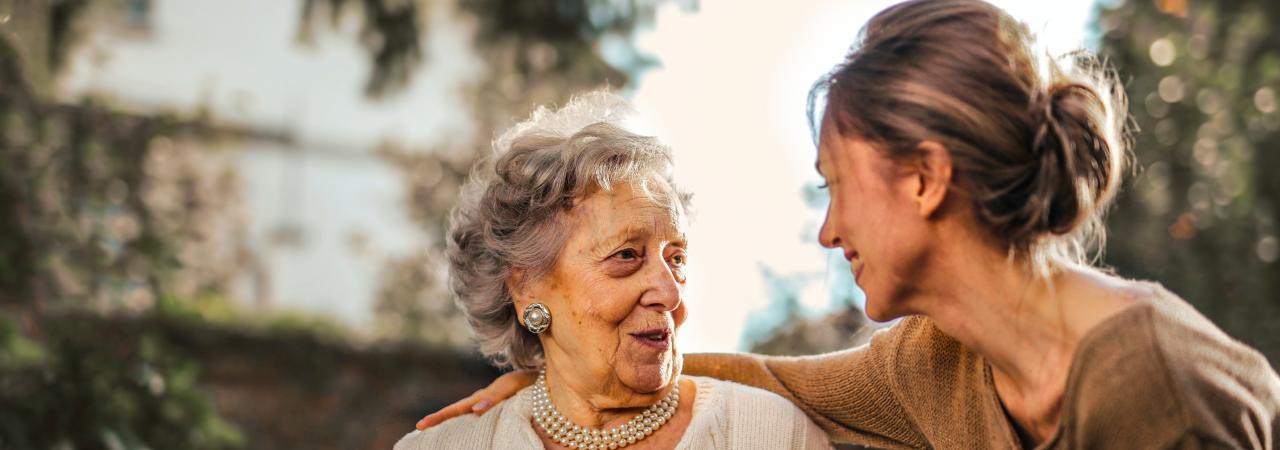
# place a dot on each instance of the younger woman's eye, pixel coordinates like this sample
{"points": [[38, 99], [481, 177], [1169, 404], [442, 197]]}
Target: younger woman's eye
{"points": [[824, 185]]}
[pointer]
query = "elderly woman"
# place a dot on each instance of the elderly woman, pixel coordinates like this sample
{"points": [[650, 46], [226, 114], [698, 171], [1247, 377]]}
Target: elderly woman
{"points": [[568, 258]]}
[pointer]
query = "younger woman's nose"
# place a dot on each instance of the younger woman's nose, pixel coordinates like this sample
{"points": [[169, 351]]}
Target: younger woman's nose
{"points": [[827, 235]]}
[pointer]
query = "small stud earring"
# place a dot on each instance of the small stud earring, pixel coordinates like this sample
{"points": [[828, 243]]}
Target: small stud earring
{"points": [[536, 318]]}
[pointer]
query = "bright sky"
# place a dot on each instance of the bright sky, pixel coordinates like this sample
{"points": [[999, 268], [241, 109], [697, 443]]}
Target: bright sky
{"points": [[730, 99]]}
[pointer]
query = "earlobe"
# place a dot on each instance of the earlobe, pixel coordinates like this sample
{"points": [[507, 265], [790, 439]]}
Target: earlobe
{"points": [[934, 177]]}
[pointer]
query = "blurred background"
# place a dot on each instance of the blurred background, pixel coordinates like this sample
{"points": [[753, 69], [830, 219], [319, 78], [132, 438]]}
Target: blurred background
{"points": [[221, 222]]}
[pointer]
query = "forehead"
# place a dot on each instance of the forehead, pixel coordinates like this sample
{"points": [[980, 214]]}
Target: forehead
{"points": [[649, 208], [830, 145]]}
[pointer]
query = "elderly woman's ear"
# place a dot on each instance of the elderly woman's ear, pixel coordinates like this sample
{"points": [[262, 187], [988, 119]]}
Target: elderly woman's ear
{"points": [[521, 293], [530, 314]]}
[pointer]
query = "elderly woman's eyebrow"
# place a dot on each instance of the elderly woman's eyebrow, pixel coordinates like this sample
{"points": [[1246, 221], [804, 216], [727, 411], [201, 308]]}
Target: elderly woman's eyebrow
{"points": [[616, 238], [681, 241], [632, 233]]}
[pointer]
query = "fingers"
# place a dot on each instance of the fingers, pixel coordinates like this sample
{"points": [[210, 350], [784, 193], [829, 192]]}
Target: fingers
{"points": [[477, 402]]}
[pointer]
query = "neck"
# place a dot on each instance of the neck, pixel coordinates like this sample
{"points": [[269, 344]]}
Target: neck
{"points": [[595, 407], [1013, 318], [1026, 326]]}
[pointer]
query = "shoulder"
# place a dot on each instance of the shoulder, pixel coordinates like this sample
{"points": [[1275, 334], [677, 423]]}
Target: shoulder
{"points": [[925, 364], [466, 431], [1202, 359], [1227, 389], [913, 350], [724, 394], [1165, 363], [756, 418], [918, 343]]}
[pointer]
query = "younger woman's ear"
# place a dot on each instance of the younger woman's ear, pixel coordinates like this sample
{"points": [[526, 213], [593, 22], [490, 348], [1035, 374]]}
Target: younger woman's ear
{"points": [[933, 177]]}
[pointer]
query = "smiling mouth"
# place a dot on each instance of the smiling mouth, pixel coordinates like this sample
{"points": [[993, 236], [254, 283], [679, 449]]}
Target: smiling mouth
{"points": [[855, 263], [659, 339]]}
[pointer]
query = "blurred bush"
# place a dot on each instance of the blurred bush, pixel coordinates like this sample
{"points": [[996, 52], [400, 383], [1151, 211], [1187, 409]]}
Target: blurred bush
{"points": [[70, 390]]}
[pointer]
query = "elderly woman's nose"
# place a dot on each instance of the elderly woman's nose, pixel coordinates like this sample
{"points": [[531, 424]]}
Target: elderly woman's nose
{"points": [[663, 288]]}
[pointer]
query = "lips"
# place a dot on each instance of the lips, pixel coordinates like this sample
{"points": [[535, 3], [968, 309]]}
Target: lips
{"points": [[656, 338], [855, 263]]}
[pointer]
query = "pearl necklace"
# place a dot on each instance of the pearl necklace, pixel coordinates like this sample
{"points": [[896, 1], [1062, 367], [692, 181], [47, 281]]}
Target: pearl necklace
{"points": [[571, 435]]}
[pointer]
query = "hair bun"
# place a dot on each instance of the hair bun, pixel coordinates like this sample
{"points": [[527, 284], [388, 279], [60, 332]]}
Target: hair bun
{"points": [[1073, 165]]}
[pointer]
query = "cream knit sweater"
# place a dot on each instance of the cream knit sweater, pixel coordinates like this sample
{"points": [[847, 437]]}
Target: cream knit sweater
{"points": [[725, 416]]}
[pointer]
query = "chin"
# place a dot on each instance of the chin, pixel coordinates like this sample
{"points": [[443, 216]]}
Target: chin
{"points": [[651, 377], [881, 310]]}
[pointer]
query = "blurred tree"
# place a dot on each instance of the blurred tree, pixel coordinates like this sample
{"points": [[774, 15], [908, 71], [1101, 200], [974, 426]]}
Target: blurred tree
{"points": [[390, 32], [552, 37], [784, 328], [1200, 217], [107, 209]]}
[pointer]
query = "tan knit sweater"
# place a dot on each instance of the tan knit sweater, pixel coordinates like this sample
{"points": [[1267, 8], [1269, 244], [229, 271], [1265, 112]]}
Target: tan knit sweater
{"points": [[1156, 375]]}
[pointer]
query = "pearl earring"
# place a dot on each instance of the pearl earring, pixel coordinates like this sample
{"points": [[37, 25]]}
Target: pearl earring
{"points": [[537, 318]]}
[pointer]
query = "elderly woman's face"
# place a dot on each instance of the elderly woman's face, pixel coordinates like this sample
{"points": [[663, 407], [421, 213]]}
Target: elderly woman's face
{"points": [[615, 295]]}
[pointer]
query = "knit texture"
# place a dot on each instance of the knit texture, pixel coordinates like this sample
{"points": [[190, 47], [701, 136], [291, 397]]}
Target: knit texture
{"points": [[725, 416], [1156, 375]]}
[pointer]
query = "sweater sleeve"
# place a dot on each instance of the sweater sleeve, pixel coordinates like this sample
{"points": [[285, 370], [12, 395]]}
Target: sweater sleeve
{"points": [[847, 393]]}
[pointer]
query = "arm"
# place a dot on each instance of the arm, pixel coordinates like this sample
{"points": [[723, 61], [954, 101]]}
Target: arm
{"points": [[847, 393]]}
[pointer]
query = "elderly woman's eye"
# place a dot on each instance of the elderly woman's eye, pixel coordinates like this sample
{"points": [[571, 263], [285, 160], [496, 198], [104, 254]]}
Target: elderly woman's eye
{"points": [[627, 254], [678, 259]]}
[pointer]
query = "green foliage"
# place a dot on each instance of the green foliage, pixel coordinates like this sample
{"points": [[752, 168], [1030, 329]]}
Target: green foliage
{"points": [[391, 33], [561, 36], [1200, 216], [97, 208], [63, 35], [106, 209], [74, 390]]}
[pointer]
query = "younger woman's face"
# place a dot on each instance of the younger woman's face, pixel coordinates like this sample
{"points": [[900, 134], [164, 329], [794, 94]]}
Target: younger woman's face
{"points": [[872, 219]]}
